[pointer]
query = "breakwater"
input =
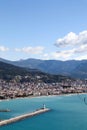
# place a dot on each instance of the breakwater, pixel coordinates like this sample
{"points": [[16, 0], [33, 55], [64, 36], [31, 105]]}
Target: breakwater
{"points": [[21, 117]]}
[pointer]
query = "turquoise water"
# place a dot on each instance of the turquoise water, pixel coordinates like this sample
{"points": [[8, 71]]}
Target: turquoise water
{"points": [[68, 113]]}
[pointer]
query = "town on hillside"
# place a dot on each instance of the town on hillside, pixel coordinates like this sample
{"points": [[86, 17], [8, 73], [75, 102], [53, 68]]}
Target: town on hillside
{"points": [[13, 89]]}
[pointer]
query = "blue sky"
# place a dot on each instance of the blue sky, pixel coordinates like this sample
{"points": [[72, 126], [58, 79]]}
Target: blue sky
{"points": [[43, 29]]}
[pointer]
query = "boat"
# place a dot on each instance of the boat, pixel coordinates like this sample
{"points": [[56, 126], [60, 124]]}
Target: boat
{"points": [[5, 110]]}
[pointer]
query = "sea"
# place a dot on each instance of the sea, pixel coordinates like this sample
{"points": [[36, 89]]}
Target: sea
{"points": [[68, 112]]}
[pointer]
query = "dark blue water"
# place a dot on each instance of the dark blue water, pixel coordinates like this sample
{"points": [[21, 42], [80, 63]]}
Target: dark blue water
{"points": [[68, 113]]}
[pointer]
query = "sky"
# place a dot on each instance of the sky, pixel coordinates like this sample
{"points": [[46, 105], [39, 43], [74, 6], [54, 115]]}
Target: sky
{"points": [[43, 29]]}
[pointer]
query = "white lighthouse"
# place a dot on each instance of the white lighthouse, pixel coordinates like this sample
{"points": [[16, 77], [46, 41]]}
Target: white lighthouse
{"points": [[44, 106]]}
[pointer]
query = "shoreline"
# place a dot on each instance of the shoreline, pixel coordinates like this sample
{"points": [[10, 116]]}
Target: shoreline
{"points": [[68, 94], [30, 114]]}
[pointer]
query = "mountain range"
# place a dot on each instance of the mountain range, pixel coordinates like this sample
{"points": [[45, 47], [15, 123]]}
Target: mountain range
{"points": [[72, 68], [12, 72]]}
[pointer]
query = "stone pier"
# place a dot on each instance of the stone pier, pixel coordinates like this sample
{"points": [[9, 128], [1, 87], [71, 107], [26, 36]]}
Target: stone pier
{"points": [[21, 117]]}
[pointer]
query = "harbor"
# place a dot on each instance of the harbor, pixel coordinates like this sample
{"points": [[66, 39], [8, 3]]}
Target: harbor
{"points": [[21, 117]]}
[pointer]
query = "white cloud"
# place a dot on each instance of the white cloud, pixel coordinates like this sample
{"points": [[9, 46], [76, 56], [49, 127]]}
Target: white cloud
{"points": [[3, 49], [17, 49], [72, 46], [46, 56], [31, 50], [84, 57], [81, 49], [72, 39], [61, 55]]}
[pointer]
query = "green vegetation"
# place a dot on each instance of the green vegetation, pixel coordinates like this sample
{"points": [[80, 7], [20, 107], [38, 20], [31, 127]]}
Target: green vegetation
{"points": [[73, 68], [10, 72]]}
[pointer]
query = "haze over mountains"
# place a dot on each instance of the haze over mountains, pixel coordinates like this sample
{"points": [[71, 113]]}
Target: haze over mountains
{"points": [[11, 72], [72, 68]]}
